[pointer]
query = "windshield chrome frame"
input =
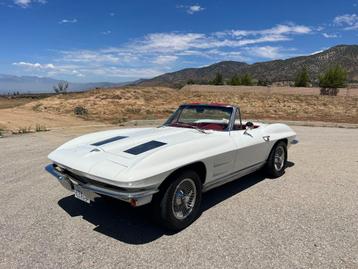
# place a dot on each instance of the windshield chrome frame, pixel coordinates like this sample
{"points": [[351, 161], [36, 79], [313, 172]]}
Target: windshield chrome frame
{"points": [[235, 111]]}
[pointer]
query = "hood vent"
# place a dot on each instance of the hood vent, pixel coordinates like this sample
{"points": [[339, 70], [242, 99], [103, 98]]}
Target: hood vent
{"points": [[109, 140], [145, 147]]}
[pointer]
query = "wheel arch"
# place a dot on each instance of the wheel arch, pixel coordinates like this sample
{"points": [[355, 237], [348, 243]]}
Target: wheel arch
{"points": [[198, 167]]}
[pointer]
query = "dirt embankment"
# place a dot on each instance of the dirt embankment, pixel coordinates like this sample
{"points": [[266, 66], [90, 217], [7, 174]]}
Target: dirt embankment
{"points": [[117, 106]]}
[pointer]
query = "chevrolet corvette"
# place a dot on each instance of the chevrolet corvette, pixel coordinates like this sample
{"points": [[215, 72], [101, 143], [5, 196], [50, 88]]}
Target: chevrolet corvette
{"points": [[200, 147]]}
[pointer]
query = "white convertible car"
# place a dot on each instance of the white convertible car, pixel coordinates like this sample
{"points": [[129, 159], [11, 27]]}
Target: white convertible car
{"points": [[200, 147]]}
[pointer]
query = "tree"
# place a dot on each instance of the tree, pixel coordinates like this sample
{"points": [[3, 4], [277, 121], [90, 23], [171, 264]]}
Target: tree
{"points": [[235, 80], [190, 82], [334, 78], [246, 80], [302, 78], [218, 80], [61, 87]]}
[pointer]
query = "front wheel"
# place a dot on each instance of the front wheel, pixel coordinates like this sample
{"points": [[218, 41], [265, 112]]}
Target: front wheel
{"points": [[180, 204], [277, 161]]}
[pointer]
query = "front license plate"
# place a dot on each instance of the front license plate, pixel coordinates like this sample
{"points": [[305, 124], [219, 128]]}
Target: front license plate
{"points": [[80, 195]]}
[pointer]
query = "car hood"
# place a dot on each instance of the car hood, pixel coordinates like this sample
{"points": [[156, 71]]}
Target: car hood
{"points": [[108, 154]]}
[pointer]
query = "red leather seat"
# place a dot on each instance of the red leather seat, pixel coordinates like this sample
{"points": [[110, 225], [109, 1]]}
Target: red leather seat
{"points": [[214, 126]]}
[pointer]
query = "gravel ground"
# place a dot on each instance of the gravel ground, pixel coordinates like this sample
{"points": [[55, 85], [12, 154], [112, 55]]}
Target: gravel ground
{"points": [[308, 218]]}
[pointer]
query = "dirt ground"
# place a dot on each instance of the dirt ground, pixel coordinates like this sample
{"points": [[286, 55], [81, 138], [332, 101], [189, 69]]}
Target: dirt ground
{"points": [[117, 106]]}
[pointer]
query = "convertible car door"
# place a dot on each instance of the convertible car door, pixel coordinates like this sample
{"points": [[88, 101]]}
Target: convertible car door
{"points": [[252, 149]]}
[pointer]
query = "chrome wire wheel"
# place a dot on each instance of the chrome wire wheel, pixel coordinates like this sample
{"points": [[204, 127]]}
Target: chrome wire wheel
{"points": [[279, 160], [184, 199]]}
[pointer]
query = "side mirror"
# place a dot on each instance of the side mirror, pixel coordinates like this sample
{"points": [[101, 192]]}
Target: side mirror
{"points": [[249, 125]]}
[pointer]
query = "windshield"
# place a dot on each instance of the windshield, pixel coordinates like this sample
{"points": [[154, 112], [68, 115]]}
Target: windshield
{"points": [[201, 116]]}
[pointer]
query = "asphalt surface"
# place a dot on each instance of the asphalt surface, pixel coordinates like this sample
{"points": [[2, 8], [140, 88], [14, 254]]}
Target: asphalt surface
{"points": [[308, 218]]}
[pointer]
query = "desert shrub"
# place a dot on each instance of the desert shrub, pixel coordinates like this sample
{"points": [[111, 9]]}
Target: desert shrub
{"points": [[40, 128], [190, 82], [332, 80], [263, 83], [37, 107], [218, 80], [24, 130], [302, 78], [80, 111]]}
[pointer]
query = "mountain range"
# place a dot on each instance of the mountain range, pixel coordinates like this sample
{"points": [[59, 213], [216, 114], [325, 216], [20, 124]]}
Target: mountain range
{"points": [[33, 84], [272, 71]]}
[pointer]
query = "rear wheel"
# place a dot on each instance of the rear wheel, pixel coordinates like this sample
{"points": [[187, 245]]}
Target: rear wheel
{"points": [[276, 163], [180, 203]]}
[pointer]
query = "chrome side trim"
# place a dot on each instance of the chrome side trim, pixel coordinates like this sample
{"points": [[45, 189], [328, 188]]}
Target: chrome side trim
{"points": [[232, 176]]}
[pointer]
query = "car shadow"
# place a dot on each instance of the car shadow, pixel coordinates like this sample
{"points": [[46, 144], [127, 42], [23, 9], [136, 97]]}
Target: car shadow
{"points": [[136, 226]]}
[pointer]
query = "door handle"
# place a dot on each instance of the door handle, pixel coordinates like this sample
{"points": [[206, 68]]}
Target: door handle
{"points": [[266, 138]]}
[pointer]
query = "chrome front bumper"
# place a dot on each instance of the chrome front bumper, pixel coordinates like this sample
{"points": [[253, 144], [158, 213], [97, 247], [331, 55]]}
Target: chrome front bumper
{"points": [[136, 197]]}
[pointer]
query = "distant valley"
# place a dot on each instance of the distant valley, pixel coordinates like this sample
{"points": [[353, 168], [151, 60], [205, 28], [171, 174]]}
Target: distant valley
{"points": [[33, 84]]}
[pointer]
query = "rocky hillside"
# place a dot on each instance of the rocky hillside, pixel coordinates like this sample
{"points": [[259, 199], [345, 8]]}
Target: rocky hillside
{"points": [[274, 71]]}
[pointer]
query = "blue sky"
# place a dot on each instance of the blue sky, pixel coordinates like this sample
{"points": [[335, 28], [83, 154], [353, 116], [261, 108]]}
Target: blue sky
{"points": [[112, 40]]}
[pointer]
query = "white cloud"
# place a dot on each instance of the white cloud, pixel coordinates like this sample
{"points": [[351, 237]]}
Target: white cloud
{"points": [[112, 14], [280, 29], [329, 35], [165, 59], [169, 41], [50, 69], [349, 21], [67, 21], [34, 65], [27, 3], [108, 32], [123, 72], [86, 56], [191, 9], [268, 52], [156, 53]]}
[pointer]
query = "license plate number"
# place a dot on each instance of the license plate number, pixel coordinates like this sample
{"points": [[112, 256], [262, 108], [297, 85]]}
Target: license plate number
{"points": [[81, 196]]}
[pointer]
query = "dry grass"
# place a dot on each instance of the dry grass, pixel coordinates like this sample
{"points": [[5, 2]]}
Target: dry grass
{"points": [[13, 102], [281, 103]]}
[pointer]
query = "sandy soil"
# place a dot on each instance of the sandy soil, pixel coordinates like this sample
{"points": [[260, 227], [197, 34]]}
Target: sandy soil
{"points": [[17, 119]]}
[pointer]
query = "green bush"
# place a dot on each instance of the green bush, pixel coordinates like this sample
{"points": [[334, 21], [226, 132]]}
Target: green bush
{"points": [[302, 78], [235, 80], [241, 80], [334, 78], [246, 80]]}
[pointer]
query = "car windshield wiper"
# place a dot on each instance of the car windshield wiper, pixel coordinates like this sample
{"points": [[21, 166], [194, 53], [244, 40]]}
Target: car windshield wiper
{"points": [[191, 126]]}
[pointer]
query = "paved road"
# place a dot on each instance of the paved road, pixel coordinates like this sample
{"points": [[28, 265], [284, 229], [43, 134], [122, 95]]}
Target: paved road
{"points": [[306, 219]]}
